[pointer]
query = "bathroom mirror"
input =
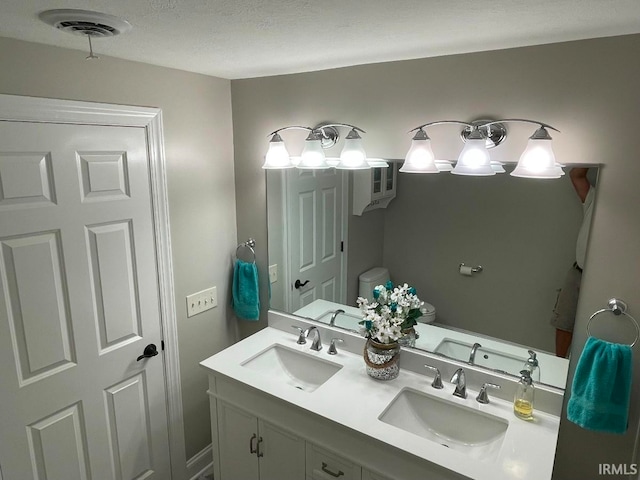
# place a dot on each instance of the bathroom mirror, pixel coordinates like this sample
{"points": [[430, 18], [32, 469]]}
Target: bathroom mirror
{"points": [[521, 231]]}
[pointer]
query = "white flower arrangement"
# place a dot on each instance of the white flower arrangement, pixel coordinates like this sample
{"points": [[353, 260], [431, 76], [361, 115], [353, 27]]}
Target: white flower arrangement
{"points": [[393, 310]]}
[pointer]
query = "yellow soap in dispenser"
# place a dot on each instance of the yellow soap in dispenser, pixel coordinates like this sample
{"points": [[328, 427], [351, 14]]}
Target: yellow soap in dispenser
{"points": [[523, 401]]}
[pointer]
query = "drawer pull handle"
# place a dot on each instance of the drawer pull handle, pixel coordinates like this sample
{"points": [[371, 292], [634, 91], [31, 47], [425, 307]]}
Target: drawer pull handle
{"points": [[333, 474], [252, 449], [260, 454]]}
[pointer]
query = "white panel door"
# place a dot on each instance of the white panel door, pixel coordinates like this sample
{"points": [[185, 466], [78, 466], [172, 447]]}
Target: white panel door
{"points": [[78, 304], [314, 200]]}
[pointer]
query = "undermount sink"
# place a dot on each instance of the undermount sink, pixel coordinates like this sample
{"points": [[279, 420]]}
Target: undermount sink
{"points": [[454, 426], [485, 357], [291, 367]]}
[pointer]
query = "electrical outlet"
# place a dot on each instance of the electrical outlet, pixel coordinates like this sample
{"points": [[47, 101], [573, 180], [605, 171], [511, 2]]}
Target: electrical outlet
{"points": [[273, 273], [201, 301]]}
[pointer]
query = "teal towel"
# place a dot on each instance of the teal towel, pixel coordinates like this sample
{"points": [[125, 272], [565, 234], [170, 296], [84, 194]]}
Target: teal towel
{"points": [[601, 387], [245, 295]]}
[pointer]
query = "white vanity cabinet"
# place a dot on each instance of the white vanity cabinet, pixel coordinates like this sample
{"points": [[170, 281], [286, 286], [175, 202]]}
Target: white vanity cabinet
{"points": [[256, 436], [374, 188], [266, 428], [251, 449]]}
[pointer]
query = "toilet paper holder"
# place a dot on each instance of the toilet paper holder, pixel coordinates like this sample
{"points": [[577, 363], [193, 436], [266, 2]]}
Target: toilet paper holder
{"points": [[466, 270]]}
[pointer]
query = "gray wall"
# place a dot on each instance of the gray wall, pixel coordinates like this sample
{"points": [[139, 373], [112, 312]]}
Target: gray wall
{"points": [[199, 152], [523, 232], [587, 89]]}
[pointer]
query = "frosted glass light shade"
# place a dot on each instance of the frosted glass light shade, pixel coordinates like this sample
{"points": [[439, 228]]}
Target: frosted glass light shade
{"points": [[474, 159], [277, 155], [313, 156], [420, 158], [353, 156], [538, 161]]}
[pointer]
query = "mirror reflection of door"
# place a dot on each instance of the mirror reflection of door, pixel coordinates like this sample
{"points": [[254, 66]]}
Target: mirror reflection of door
{"points": [[314, 223], [311, 241]]}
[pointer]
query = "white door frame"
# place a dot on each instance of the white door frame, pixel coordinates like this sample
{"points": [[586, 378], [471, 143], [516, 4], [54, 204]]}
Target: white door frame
{"points": [[44, 110]]}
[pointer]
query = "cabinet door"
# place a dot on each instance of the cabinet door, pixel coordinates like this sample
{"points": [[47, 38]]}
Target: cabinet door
{"points": [[390, 179], [238, 436], [281, 454], [377, 183]]}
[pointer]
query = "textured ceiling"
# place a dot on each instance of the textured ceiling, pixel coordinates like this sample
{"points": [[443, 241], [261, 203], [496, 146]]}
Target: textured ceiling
{"points": [[245, 38]]}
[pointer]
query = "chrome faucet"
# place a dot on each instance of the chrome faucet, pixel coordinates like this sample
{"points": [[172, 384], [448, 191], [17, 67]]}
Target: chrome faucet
{"points": [[317, 343], [472, 355], [332, 322], [459, 381]]}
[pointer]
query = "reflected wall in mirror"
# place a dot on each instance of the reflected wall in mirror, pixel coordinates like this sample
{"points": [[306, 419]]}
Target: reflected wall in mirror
{"points": [[522, 231]]}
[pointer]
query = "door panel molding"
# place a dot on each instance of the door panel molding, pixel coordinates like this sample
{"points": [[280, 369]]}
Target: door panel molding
{"points": [[44, 110], [37, 302], [58, 445]]}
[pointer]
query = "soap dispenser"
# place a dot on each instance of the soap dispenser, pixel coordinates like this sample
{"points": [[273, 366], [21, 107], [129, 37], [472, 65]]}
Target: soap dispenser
{"points": [[532, 366], [523, 401]]}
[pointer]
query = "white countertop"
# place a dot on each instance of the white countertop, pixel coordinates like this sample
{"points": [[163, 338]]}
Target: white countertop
{"points": [[353, 399]]}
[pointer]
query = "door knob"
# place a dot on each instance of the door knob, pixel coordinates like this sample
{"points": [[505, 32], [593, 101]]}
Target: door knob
{"points": [[148, 352], [299, 284]]}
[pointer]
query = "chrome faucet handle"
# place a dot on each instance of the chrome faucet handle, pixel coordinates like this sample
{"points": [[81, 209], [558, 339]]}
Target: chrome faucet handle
{"points": [[437, 380], [332, 348], [458, 379], [483, 397], [302, 339], [317, 343]]}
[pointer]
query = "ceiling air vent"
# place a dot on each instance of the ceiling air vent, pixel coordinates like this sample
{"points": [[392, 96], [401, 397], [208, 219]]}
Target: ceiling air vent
{"points": [[84, 22]]}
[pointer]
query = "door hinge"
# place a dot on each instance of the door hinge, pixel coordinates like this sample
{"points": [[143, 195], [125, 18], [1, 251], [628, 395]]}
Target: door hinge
{"points": [[342, 246], [162, 344]]}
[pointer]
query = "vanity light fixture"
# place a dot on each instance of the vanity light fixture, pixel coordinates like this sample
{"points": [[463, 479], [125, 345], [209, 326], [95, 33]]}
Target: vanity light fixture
{"points": [[319, 138], [537, 161]]}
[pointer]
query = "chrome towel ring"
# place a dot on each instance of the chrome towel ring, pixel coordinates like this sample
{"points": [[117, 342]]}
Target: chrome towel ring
{"points": [[248, 244], [617, 307]]}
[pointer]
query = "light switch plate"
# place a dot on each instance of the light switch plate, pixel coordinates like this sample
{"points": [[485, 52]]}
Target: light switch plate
{"points": [[273, 273], [201, 301]]}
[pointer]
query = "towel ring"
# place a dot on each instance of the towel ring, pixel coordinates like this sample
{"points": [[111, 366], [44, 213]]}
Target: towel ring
{"points": [[248, 244], [617, 307]]}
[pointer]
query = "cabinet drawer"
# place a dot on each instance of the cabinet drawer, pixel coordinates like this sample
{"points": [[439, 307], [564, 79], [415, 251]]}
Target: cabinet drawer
{"points": [[367, 475], [324, 465]]}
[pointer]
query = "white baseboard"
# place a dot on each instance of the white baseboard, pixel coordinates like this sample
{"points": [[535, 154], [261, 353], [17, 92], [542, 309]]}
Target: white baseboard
{"points": [[200, 464]]}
